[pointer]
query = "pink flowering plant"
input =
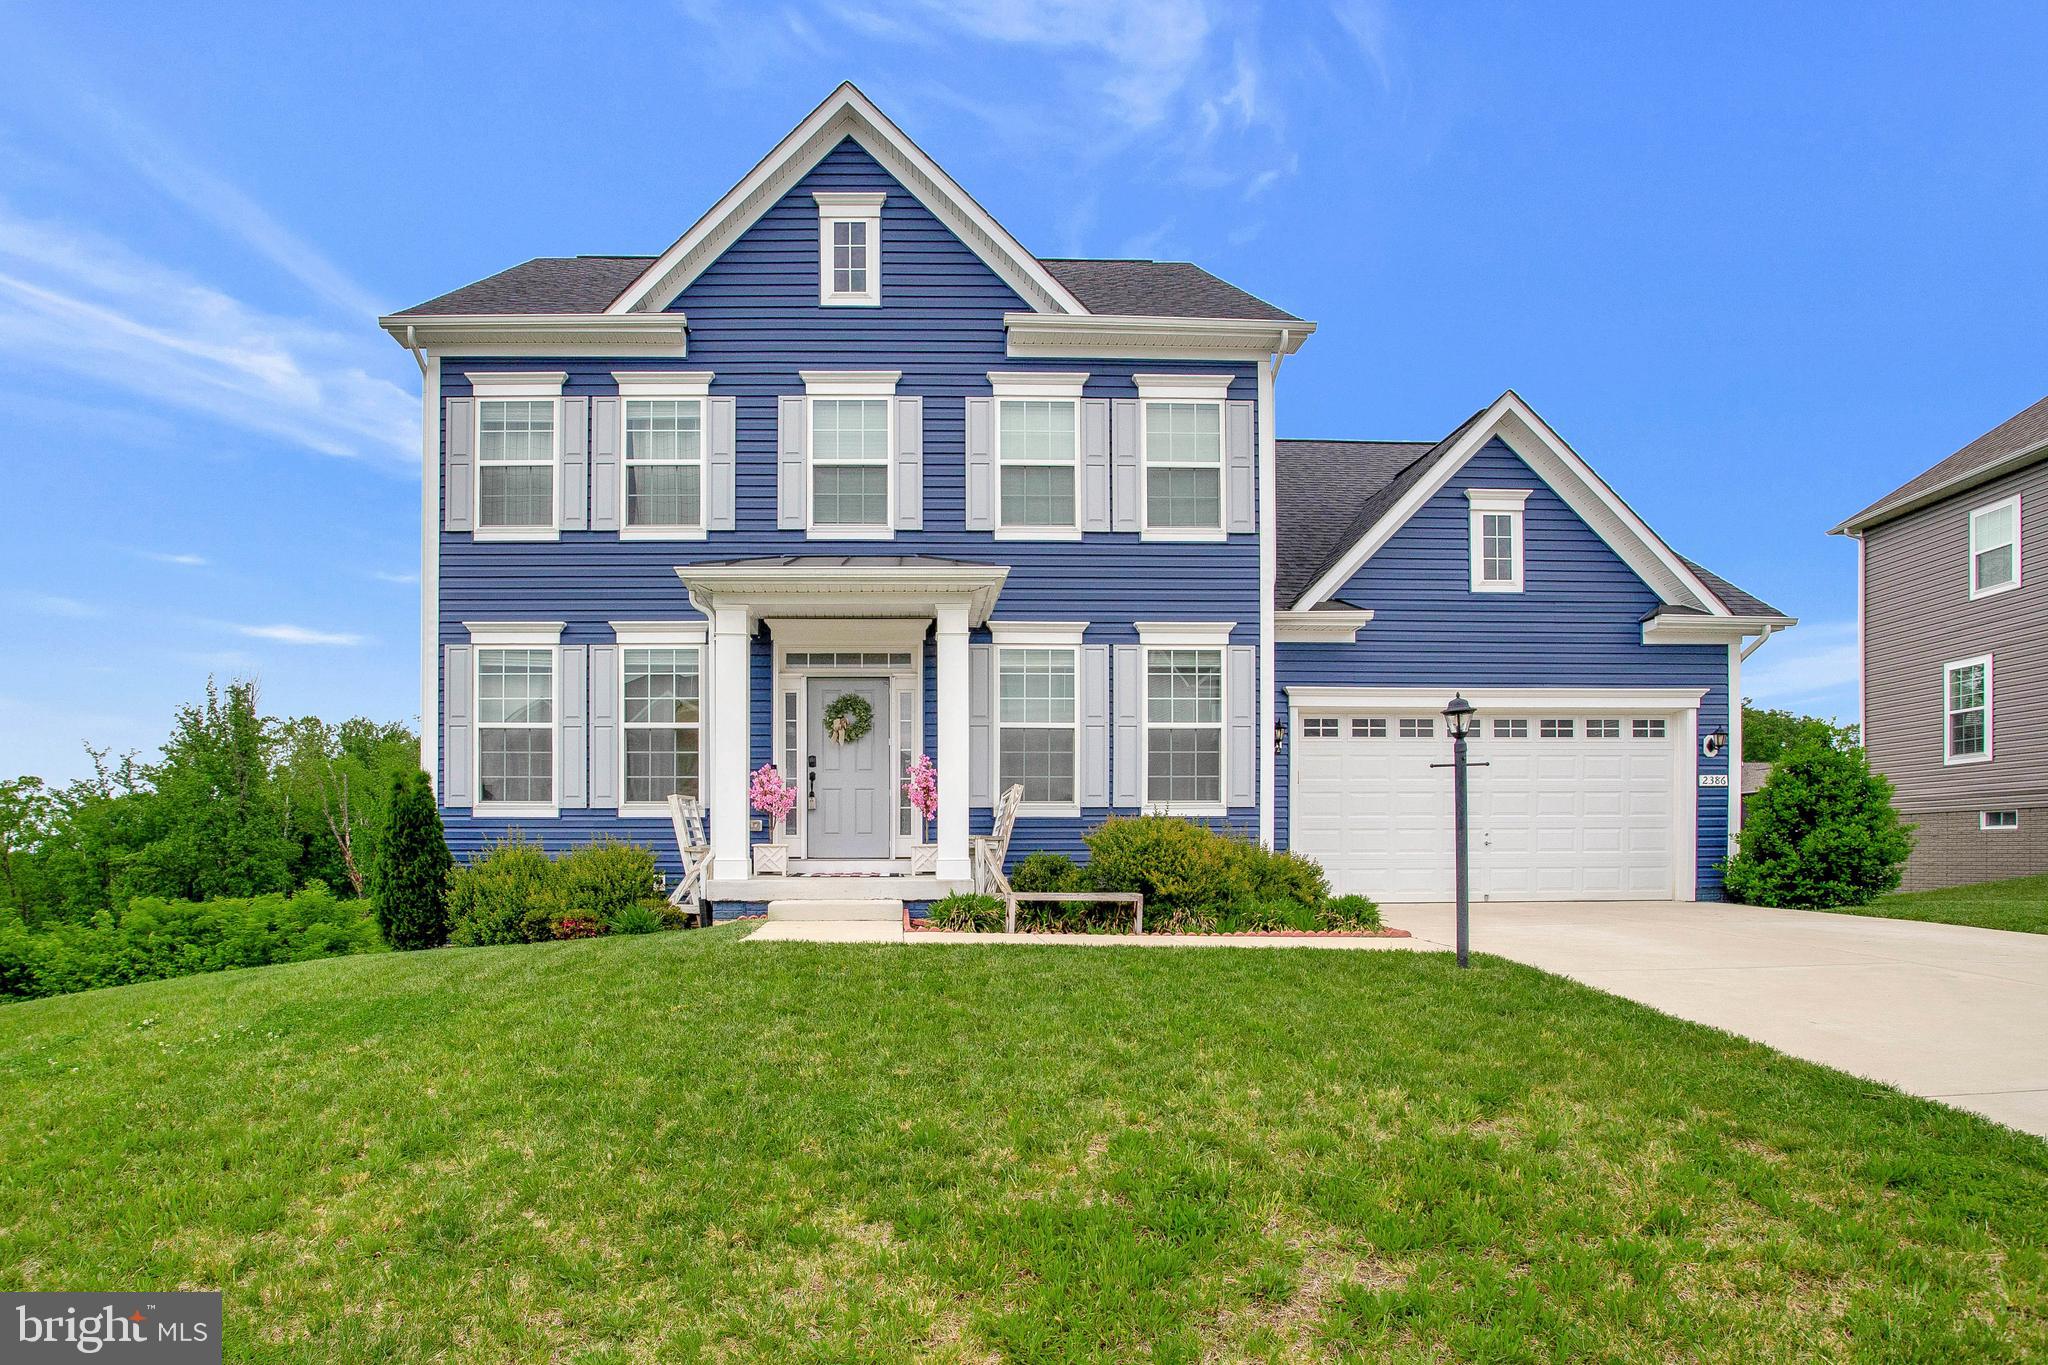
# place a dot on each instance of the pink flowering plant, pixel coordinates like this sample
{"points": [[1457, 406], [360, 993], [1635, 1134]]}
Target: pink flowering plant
{"points": [[923, 789], [770, 795]]}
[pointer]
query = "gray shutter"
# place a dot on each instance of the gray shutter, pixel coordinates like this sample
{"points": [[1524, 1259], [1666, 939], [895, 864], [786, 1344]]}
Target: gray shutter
{"points": [[1095, 464], [572, 463], [1094, 784], [1241, 762], [458, 484], [981, 712], [910, 464], [1123, 446], [1130, 731], [720, 468], [1240, 470], [604, 726], [572, 729], [604, 464], [458, 736], [791, 474], [981, 464]]}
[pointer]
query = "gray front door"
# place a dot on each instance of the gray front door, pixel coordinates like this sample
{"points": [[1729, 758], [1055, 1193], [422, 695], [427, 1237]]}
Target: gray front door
{"points": [[855, 791]]}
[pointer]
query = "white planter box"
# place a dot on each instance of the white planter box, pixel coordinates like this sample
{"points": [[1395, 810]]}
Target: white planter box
{"points": [[924, 859], [771, 860]]}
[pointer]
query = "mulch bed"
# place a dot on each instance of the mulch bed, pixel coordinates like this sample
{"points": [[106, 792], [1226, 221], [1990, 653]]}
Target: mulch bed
{"points": [[918, 926]]}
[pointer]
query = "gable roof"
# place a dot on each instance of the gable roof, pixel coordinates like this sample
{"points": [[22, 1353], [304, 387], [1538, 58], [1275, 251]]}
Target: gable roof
{"points": [[1339, 501], [1158, 289], [2014, 442]]}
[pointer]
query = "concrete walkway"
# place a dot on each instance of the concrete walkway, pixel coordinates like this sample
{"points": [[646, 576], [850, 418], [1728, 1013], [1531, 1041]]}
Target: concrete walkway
{"points": [[1950, 1013], [875, 931]]}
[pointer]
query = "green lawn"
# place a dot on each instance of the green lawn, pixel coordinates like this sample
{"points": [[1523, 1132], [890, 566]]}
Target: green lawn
{"points": [[685, 1145], [2021, 904]]}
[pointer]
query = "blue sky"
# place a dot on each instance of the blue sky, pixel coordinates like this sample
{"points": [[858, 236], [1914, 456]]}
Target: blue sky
{"points": [[1758, 264]]}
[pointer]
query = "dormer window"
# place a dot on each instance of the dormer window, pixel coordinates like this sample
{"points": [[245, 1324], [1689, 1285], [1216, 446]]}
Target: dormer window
{"points": [[1497, 538], [849, 248]]}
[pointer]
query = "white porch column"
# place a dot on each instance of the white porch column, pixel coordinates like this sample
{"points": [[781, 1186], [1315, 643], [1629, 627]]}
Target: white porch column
{"points": [[954, 730], [730, 671]]}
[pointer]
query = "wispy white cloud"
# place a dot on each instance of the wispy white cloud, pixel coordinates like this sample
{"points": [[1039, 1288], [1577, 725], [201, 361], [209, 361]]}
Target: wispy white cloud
{"points": [[386, 576], [185, 561], [1816, 665], [297, 635], [82, 302], [1371, 29], [53, 604]]}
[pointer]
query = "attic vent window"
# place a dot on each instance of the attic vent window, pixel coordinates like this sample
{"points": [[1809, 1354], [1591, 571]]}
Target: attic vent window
{"points": [[849, 248]]}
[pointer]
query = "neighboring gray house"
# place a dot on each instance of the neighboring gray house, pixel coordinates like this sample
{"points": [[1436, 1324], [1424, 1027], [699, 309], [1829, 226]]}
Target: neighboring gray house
{"points": [[1955, 654]]}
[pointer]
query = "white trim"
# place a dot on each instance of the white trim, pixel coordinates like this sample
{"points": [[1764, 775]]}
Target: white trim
{"points": [[1688, 629], [1949, 758], [846, 112], [514, 634], [430, 571], [850, 206], [1182, 388], [1598, 700], [1735, 741], [1056, 336], [850, 383], [660, 635], [663, 383], [504, 336], [1065, 637], [1206, 390], [1031, 387], [1268, 780], [851, 589], [517, 384], [652, 386], [2017, 567], [1984, 820], [658, 632], [1495, 502], [1570, 477], [1320, 627], [1184, 634], [857, 386], [1027, 633], [1036, 383]]}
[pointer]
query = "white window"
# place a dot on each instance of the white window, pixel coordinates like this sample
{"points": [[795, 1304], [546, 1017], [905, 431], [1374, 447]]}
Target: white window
{"points": [[1036, 732], [1184, 728], [1496, 538], [661, 722], [1995, 547], [515, 726], [1369, 727], [1603, 728], [515, 477], [851, 439], [849, 248], [1966, 687], [1038, 453], [1998, 819], [1555, 729], [1418, 727], [1182, 423], [1319, 727], [662, 491], [1511, 729], [1652, 728]]}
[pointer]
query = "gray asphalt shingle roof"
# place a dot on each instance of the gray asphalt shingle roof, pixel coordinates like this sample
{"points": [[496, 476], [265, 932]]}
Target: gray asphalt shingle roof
{"points": [[544, 285], [2016, 435]]}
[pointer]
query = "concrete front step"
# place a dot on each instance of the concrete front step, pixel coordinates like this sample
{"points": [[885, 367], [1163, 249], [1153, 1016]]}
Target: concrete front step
{"points": [[885, 911]]}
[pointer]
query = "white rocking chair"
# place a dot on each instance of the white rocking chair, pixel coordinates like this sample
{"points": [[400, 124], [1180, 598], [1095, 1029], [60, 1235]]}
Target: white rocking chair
{"points": [[986, 852], [688, 893]]}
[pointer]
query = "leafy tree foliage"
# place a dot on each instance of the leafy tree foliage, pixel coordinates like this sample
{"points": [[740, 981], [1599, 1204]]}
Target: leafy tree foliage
{"points": [[1767, 735], [412, 868], [1821, 833]]}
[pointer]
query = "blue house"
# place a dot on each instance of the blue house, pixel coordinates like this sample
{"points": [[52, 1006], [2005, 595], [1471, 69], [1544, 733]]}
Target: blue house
{"points": [[846, 475]]}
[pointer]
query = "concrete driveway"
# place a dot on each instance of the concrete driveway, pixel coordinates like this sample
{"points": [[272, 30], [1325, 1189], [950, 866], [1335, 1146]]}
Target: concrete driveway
{"points": [[1953, 1014]]}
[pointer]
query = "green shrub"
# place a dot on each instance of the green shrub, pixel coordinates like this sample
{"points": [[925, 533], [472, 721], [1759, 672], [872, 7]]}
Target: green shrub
{"points": [[1277, 876], [1188, 873], [578, 926], [490, 898], [605, 878], [515, 893], [983, 914], [1821, 833], [1043, 871], [638, 918], [1352, 914], [409, 881]]}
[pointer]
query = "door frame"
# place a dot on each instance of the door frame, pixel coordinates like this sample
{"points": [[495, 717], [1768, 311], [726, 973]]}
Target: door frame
{"points": [[789, 708]]}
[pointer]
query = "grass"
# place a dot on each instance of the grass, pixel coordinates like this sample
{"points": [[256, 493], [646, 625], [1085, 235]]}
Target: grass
{"points": [[683, 1146], [2020, 905]]}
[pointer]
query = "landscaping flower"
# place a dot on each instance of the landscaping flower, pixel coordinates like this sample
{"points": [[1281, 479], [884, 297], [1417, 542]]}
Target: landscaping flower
{"points": [[923, 788], [770, 795]]}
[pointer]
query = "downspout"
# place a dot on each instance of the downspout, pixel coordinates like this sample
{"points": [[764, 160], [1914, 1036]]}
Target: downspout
{"points": [[1768, 632], [1269, 370], [419, 357], [430, 559]]}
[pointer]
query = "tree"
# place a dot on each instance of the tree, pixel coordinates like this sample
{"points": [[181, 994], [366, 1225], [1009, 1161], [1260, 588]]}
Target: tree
{"points": [[333, 781], [411, 879], [1821, 833], [1768, 734], [25, 811]]}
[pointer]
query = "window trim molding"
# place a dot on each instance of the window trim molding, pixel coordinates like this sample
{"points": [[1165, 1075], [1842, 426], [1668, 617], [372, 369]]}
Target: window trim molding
{"points": [[1036, 386], [845, 385], [499, 385], [660, 635], [1486, 502], [487, 635], [1184, 634], [850, 206], [1065, 636], [1984, 821], [1156, 636], [2018, 569], [1949, 758], [679, 386], [1182, 388]]}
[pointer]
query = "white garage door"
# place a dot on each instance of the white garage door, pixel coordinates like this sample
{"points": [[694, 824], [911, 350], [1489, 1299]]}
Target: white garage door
{"points": [[1569, 807]]}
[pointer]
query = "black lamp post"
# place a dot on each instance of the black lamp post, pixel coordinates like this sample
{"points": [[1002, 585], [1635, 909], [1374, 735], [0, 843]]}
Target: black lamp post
{"points": [[1458, 720]]}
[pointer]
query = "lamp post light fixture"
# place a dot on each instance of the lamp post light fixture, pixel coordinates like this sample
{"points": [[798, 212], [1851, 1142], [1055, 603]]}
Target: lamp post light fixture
{"points": [[1458, 721], [1714, 743]]}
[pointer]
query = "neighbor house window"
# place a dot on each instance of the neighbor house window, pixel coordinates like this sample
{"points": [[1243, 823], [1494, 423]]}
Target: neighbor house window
{"points": [[1036, 731], [850, 464], [661, 722], [1967, 687], [1496, 538], [515, 725], [849, 248], [515, 484], [1184, 727], [664, 464], [1036, 455], [1995, 547], [1998, 819]]}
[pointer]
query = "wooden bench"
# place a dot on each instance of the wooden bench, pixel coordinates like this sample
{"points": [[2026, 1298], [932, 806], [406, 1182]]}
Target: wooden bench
{"points": [[1131, 898]]}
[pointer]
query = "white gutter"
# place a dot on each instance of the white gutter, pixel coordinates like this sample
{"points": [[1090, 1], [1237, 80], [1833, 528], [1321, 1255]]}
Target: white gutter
{"points": [[1768, 632], [1269, 570]]}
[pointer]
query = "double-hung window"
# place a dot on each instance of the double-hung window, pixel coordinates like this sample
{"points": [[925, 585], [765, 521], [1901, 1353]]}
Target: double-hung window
{"points": [[661, 722], [1966, 692], [1038, 450], [1995, 547], [1037, 737], [515, 725], [663, 483], [1496, 538], [1184, 727], [849, 248], [518, 442], [850, 445], [1183, 455]]}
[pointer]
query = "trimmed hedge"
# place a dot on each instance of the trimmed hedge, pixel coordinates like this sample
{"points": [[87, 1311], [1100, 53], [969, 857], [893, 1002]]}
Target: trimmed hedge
{"points": [[1192, 876]]}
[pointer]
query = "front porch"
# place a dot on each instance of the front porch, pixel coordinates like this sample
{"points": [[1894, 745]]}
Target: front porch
{"points": [[800, 886]]}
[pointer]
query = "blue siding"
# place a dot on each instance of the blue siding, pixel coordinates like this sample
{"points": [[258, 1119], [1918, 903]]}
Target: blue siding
{"points": [[1577, 624], [754, 323]]}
